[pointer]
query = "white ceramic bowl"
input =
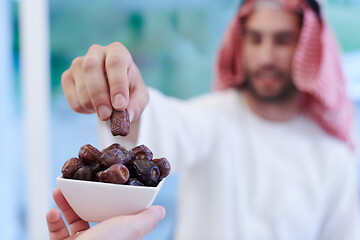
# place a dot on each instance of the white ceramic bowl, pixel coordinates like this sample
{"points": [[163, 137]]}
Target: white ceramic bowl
{"points": [[97, 201]]}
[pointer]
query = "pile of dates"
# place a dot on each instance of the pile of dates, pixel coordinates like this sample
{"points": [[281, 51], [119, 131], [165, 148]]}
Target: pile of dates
{"points": [[115, 164]]}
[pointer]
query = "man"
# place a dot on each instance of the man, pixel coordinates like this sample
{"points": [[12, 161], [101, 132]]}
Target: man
{"points": [[267, 156]]}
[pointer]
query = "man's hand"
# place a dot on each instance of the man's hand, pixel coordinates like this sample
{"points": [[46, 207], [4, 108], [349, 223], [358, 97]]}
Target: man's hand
{"points": [[103, 79], [123, 227]]}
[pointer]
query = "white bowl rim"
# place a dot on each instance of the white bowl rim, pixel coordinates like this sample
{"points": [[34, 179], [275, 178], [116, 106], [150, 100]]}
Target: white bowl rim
{"points": [[61, 178]]}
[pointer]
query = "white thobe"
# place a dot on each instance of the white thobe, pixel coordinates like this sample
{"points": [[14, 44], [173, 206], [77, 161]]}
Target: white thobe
{"points": [[243, 177]]}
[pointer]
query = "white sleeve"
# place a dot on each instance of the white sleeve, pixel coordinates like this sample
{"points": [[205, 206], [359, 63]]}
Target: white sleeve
{"points": [[341, 220], [171, 128]]}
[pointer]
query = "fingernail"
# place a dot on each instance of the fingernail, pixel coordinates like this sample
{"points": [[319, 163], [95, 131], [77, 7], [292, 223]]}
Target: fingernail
{"points": [[119, 101], [104, 112], [131, 115], [161, 213]]}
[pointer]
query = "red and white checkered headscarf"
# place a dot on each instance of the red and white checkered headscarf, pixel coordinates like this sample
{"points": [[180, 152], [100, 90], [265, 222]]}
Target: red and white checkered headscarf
{"points": [[316, 68]]}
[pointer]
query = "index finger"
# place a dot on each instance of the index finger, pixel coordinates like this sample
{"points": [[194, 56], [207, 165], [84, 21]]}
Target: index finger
{"points": [[56, 226], [76, 224], [117, 63]]}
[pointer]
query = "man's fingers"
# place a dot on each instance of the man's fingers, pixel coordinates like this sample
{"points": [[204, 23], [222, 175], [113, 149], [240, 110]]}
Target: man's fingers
{"points": [[56, 225], [117, 63], [80, 87], [68, 85], [101, 81], [96, 82], [76, 224]]}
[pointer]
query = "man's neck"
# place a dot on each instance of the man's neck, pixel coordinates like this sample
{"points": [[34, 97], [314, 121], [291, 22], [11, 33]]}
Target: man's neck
{"points": [[276, 111]]}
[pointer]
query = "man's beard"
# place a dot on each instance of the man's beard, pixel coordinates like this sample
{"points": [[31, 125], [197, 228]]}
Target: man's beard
{"points": [[286, 93]]}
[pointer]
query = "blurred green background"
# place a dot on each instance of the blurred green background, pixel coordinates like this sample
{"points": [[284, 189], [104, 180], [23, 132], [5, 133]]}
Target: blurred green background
{"points": [[174, 44]]}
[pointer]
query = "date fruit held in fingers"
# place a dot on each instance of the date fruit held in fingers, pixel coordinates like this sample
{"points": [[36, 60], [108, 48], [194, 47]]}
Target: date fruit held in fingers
{"points": [[120, 123]]}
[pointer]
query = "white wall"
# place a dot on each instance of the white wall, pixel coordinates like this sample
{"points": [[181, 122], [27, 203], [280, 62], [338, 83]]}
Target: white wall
{"points": [[35, 82], [10, 225]]}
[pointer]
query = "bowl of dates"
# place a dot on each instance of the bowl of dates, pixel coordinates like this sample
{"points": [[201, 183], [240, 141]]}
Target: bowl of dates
{"points": [[115, 181]]}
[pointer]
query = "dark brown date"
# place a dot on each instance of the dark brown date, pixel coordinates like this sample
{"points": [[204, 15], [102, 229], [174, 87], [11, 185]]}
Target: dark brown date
{"points": [[112, 146], [115, 164], [145, 171], [85, 173], [117, 174], [114, 156], [141, 152], [70, 167], [89, 154], [134, 182], [163, 165], [120, 123]]}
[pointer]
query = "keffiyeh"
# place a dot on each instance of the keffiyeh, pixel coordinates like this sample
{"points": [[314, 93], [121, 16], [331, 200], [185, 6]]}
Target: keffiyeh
{"points": [[316, 67]]}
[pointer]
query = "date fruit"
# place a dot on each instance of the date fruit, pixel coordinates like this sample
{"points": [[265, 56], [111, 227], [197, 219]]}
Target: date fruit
{"points": [[115, 164], [112, 146], [114, 156], [134, 182], [89, 154], [145, 171], [163, 165], [85, 173], [120, 123], [70, 167], [117, 173], [141, 152]]}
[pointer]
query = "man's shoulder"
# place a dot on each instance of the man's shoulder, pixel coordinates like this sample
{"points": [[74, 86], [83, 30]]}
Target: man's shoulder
{"points": [[324, 141]]}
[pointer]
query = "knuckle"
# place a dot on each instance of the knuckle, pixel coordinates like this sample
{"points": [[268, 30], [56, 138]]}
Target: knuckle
{"points": [[90, 64], [86, 104], [97, 95], [121, 48], [95, 47], [77, 108], [116, 45], [120, 85], [77, 61], [114, 62]]}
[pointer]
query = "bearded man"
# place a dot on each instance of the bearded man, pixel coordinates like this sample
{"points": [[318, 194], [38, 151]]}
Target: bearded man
{"points": [[269, 154]]}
